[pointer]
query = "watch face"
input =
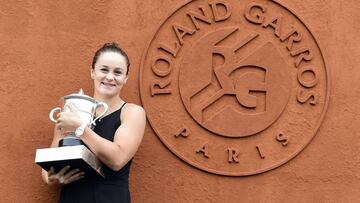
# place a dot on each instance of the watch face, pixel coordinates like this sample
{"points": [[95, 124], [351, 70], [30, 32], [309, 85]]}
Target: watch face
{"points": [[79, 131]]}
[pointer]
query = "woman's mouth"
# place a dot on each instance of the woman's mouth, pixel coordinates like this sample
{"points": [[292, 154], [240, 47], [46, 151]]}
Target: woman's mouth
{"points": [[108, 84]]}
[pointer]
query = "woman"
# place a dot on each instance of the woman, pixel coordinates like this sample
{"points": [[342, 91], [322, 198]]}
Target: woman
{"points": [[114, 140]]}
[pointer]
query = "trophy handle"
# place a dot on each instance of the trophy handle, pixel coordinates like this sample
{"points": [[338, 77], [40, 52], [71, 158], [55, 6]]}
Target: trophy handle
{"points": [[52, 112], [105, 110]]}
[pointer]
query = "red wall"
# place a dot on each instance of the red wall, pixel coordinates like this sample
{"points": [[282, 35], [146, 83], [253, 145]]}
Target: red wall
{"points": [[46, 52]]}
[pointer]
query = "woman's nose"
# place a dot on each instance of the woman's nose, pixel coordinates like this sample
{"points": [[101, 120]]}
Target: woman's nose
{"points": [[109, 76]]}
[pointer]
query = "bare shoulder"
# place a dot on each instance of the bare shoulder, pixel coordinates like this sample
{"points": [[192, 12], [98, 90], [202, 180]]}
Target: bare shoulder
{"points": [[131, 110]]}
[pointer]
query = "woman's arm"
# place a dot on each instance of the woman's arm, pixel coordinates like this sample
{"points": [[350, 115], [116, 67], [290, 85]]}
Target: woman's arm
{"points": [[127, 138]]}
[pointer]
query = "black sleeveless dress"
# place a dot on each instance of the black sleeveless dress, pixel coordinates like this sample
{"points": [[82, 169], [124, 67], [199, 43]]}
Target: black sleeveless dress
{"points": [[114, 187]]}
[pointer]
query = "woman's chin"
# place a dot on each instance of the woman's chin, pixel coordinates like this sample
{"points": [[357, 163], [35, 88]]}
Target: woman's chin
{"points": [[107, 92]]}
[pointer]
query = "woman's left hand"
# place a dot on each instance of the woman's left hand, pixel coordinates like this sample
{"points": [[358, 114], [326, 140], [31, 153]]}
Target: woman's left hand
{"points": [[68, 121]]}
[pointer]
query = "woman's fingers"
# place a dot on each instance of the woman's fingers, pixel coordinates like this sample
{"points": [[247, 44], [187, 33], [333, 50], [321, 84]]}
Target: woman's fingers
{"points": [[68, 121], [63, 170], [51, 176], [58, 119], [70, 176], [76, 176], [73, 178], [64, 176], [51, 171], [70, 173]]}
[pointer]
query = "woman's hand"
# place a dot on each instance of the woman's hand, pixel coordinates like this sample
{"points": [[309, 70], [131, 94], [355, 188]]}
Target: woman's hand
{"points": [[68, 121], [64, 176]]}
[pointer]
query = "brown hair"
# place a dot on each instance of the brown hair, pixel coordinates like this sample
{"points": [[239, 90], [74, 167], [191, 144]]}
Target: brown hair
{"points": [[111, 47]]}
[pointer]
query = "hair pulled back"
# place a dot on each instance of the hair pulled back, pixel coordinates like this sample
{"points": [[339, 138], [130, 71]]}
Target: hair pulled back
{"points": [[111, 47]]}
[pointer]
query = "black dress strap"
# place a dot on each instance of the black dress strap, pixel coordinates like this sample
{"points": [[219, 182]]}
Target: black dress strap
{"points": [[122, 106]]}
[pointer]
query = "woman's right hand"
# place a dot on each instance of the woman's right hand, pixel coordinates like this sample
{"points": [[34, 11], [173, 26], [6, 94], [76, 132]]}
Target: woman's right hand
{"points": [[64, 176]]}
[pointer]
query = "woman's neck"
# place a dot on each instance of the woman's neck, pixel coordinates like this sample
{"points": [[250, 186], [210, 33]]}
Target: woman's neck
{"points": [[113, 102]]}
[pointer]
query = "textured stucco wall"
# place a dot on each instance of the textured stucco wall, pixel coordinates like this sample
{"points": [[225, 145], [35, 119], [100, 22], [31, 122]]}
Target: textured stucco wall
{"points": [[46, 50]]}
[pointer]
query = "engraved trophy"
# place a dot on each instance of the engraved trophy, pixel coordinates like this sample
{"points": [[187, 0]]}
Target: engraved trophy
{"points": [[71, 150]]}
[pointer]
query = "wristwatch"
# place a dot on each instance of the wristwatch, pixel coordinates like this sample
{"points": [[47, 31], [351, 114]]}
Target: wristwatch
{"points": [[80, 130]]}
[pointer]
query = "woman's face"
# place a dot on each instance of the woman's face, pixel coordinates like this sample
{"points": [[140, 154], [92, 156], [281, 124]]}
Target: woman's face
{"points": [[109, 74]]}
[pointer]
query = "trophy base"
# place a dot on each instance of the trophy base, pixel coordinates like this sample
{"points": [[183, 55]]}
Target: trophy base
{"points": [[70, 141], [79, 157]]}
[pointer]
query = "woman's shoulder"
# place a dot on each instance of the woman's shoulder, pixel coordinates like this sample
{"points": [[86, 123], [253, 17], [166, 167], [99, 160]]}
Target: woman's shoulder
{"points": [[133, 109]]}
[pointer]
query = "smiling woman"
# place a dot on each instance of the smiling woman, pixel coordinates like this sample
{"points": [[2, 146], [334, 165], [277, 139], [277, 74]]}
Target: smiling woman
{"points": [[109, 74], [114, 140]]}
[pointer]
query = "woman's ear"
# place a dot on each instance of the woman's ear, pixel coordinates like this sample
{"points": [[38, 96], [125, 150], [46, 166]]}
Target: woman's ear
{"points": [[92, 73], [127, 76]]}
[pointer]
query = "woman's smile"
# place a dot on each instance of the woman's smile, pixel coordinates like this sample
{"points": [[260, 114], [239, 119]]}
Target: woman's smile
{"points": [[108, 84]]}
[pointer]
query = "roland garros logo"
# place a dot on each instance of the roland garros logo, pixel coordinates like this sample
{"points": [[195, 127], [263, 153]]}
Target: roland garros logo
{"points": [[234, 87]]}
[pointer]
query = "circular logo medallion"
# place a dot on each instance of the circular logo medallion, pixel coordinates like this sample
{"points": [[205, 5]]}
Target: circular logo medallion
{"points": [[234, 87]]}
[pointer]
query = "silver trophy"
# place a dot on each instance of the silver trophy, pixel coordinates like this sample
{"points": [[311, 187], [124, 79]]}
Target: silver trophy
{"points": [[86, 107], [71, 150]]}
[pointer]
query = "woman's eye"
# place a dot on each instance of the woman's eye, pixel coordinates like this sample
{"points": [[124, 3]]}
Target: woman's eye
{"points": [[118, 72], [104, 70]]}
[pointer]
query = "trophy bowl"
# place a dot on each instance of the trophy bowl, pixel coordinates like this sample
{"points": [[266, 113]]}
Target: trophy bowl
{"points": [[86, 107]]}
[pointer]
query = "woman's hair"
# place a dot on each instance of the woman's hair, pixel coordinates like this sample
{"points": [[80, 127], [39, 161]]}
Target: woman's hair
{"points": [[111, 47]]}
